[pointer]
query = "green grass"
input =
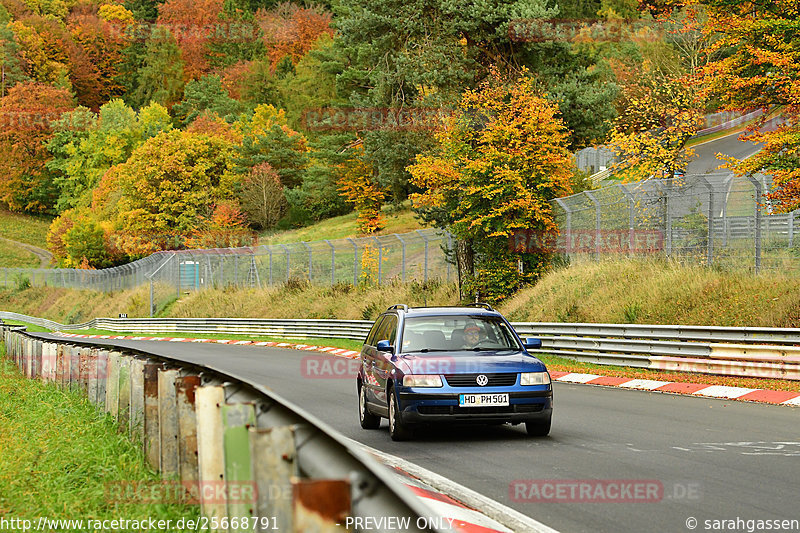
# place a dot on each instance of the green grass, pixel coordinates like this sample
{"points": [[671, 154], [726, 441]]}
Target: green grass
{"points": [[346, 344], [12, 256], [344, 226], [60, 457], [24, 228], [33, 328]]}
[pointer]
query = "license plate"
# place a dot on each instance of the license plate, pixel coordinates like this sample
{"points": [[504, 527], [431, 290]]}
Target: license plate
{"points": [[482, 400]]}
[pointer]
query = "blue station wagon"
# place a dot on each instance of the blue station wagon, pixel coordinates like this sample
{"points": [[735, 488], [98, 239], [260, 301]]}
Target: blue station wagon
{"points": [[456, 365]]}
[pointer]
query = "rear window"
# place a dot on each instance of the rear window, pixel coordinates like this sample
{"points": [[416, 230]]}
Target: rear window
{"points": [[448, 333]]}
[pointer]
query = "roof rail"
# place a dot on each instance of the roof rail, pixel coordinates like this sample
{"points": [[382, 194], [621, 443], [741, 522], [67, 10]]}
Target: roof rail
{"points": [[404, 307], [481, 304]]}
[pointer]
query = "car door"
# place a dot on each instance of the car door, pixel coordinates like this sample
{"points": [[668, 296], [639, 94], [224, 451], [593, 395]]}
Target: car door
{"points": [[383, 364], [368, 360]]}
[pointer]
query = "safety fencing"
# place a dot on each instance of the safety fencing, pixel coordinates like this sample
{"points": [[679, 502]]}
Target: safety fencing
{"points": [[711, 219], [747, 352], [251, 459]]}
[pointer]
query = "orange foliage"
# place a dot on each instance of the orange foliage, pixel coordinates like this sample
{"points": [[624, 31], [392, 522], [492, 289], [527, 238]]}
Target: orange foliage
{"points": [[358, 184], [193, 23], [291, 30]]}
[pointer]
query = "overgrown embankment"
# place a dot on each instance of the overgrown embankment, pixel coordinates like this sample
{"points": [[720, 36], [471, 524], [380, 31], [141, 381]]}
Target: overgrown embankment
{"points": [[624, 291], [62, 460]]}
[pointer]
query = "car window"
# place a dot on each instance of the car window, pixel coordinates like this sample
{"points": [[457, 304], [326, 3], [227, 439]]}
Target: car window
{"points": [[448, 333], [373, 333], [391, 329]]}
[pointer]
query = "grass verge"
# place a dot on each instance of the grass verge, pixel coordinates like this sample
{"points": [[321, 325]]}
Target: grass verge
{"points": [[347, 344], [59, 457], [12, 256], [24, 228]]}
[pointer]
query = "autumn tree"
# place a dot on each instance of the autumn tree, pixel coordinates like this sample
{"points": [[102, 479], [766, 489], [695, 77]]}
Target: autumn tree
{"points": [[291, 30], [262, 197], [757, 64], [27, 111], [658, 116], [206, 94], [359, 185], [497, 164], [194, 23], [267, 138], [169, 186]]}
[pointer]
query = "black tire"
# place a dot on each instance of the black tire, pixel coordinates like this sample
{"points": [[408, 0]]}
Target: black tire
{"points": [[367, 419], [538, 428], [397, 429]]}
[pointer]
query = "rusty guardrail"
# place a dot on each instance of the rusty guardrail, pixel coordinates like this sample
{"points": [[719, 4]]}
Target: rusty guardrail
{"points": [[253, 460]]}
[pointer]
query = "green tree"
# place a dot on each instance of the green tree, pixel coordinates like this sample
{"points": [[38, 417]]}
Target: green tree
{"points": [[160, 78], [206, 94]]}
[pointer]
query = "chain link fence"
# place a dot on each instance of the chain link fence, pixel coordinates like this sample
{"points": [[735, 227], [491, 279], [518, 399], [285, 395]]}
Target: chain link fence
{"points": [[419, 255], [713, 219]]}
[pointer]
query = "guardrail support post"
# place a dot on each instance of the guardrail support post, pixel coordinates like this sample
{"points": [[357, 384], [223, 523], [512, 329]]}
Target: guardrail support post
{"points": [[124, 408], [237, 419], [274, 466], [210, 449], [152, 433], [185, 388], [101, 377], [112, 385], [137, 401], [168, 423]]}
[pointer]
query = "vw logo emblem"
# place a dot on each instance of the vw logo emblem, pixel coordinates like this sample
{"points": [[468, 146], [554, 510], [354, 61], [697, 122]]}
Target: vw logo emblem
{"points": [[482, 380]]}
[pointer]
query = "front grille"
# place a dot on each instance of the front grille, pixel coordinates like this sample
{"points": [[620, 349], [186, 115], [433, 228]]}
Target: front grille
{"points": [[469, 380], [501, 410]]}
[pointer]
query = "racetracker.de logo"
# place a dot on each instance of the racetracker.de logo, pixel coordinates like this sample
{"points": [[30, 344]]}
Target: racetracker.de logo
{"points": [[588, 241], [586, 491]]}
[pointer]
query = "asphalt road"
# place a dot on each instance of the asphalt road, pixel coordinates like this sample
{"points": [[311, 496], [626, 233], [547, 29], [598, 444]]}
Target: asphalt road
{"points": [[715, 459]]}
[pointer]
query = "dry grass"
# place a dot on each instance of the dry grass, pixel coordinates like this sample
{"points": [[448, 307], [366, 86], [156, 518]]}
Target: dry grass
{"points": [[658, 292], [24, 228]]}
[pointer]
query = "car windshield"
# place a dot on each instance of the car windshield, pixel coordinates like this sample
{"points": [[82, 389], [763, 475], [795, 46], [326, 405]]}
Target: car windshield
{"points": [[457, 332]]}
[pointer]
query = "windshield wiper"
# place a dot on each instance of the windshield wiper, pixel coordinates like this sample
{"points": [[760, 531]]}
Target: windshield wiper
{"points": [[426, 350]]}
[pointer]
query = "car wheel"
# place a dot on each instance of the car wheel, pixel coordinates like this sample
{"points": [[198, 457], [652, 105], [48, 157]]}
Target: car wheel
{"points": [[397, 429], [367, 419], [538, 428]]}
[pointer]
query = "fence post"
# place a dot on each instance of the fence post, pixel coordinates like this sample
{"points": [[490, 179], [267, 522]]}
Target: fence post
{"points": [[597, 223], [568, 232], [425, 268], [631, 216], [286, 249], [757, 185], [333, 262], [449, 251], [269, 250], [380, 258], [710, 244], [310, 279], [403, 258], [791, 228], [355, 261]]}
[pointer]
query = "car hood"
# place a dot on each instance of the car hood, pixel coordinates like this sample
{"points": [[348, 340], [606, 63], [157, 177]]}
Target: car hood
{"points": [[468, 362]]}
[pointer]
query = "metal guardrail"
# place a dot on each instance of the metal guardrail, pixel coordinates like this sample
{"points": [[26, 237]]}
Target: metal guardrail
{"points": [[734, 351], [219, 433]]}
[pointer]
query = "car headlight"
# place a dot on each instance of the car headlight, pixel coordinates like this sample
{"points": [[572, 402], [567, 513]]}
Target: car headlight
{"points": [[534, 378], [422, 380]]}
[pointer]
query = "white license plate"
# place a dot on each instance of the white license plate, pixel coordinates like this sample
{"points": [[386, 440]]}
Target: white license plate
{"points": [[482, 400]]}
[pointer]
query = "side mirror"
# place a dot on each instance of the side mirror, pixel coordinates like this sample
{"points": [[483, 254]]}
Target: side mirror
{"points": [[533, 343], [385, 346]]}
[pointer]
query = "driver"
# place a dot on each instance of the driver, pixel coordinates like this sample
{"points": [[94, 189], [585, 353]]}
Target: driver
{"points": [[473, 335]]}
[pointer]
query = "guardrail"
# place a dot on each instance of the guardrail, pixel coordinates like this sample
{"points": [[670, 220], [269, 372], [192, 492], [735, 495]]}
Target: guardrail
{"points": [[253, 460], [747, 351]]}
